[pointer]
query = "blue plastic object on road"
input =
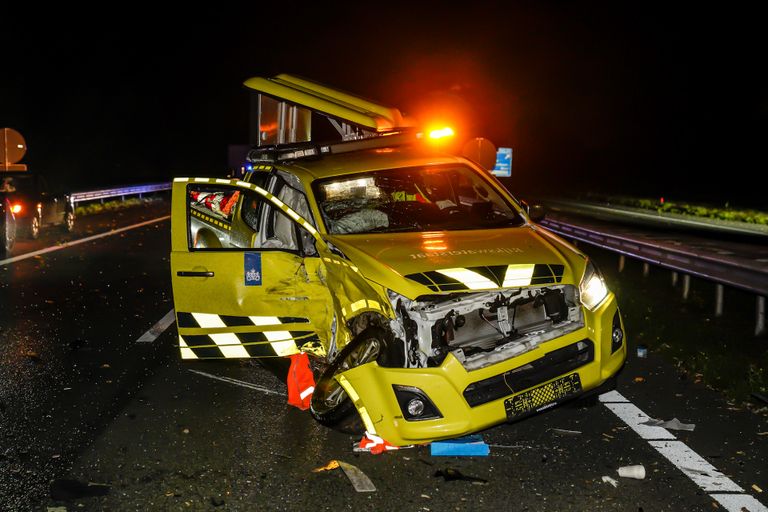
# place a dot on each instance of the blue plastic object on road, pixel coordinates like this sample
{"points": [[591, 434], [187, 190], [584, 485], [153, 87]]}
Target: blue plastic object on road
{"points": [[461, 446]]}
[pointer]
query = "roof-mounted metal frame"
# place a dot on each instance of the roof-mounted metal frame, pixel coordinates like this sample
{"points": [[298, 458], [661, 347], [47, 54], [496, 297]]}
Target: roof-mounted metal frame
{"points": [[286, 103]]}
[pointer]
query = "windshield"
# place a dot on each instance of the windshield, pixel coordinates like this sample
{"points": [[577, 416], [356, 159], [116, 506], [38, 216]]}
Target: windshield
{"points": [[412, 199]]}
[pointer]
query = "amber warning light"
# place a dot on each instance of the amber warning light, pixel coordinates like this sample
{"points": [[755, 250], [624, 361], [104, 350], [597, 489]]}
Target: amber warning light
{"points": [[441, 133], [16, 208]]}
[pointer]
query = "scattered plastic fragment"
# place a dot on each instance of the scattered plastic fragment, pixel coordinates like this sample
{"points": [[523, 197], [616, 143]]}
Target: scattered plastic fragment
{"points": [[642, 351], [612, 481], [566, 432], [450, 474], [756, 488], [67, 489], [359, 480], [461, 446], [673, 424], [639, 379], [636, 471]]}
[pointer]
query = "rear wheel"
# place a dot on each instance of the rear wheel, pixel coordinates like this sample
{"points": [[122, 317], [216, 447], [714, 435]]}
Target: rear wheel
{"points": [[34, 227], [69, 221], [330, 404]]}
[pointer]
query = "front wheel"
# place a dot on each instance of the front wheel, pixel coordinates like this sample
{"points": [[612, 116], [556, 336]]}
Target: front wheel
{"points": [[330, 404]]}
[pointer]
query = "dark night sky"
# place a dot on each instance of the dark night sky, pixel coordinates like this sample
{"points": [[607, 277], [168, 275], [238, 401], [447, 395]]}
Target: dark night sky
{"points": [[629, 98]]}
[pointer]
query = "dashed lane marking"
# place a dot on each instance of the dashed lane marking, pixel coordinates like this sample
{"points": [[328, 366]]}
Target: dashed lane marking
{"points": [[71, 243], [236, 382], [693, 465], [157, 329]]}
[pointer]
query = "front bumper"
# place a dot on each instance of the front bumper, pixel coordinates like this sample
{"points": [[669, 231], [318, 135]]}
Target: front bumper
{"points": [[371, 386]]}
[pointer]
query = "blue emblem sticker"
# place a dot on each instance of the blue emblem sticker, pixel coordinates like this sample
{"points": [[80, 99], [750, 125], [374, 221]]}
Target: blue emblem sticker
{"points": [[252, 266]]}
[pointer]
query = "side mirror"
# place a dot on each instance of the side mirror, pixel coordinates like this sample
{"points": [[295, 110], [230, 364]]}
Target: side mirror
{"points": [[537, 212]]}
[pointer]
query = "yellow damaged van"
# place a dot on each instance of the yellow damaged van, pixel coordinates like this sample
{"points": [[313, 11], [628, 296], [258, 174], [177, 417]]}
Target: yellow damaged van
{"points": [[429, 302]]}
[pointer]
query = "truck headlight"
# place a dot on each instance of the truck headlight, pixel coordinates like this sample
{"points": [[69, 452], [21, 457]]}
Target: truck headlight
{"points": [[592, 288]]}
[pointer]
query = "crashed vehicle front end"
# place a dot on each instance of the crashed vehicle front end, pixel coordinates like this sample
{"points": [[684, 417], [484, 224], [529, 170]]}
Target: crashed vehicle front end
{"points": [[491, 325]]}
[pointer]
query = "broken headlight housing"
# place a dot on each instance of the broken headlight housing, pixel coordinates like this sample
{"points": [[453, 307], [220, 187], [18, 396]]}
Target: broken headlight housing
{"points": [[592, 288]]}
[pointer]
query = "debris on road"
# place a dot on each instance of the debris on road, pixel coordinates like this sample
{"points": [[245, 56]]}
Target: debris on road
{"points": [[756, 488], [461, 446], [565, 431], [639, 379], [673, 424], [612, 481], [65, 489], [642, 351], [450, 474], [359, 480], [636, 471]]}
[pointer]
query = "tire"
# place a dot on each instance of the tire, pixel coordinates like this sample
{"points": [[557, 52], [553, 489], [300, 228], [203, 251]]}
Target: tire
{"points": [[330, 405], [34, 227], [7, 234], [69, 221]]}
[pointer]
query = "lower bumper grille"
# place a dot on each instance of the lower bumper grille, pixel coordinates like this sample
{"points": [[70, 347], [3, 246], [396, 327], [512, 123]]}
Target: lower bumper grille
{"points": [[557, 362]]}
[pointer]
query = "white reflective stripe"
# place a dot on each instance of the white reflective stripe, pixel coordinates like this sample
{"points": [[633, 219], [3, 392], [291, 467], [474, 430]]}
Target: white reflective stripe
{"points": [[220, 180], [281, 341], [358, 305], [518, 275], [244, 184], [470, 278], [208, 320], [265, 320], [366, 419], [180, 179], [229, 344], [285, 348], [186, 352], [304, 394], [202, 180]]}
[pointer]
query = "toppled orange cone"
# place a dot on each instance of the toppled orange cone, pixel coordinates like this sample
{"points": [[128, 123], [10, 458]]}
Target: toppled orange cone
{"points": [[375, 444]]}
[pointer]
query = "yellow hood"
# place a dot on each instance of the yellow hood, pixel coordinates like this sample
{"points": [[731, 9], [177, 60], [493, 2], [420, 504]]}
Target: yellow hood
{"points": [[418, 263]]}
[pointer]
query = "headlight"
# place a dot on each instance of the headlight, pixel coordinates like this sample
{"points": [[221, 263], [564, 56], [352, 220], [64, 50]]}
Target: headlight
{"points": [[592, 288]]}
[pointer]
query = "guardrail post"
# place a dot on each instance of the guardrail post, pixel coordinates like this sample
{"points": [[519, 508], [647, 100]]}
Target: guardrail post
{"points": [[674, 279], [646, 269], [621, 263], [760, 323], [686, 286], [718, 300]]}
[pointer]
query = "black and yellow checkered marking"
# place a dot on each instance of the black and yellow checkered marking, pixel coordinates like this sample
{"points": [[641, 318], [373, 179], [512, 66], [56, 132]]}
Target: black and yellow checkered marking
{"points": [[437, 282], [537, 398], [211, 220]]}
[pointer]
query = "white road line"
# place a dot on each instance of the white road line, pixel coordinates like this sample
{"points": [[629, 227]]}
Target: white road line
{"points": [[157, 329], [739, 502], [239, 383], [32, 254], [693, 465]]}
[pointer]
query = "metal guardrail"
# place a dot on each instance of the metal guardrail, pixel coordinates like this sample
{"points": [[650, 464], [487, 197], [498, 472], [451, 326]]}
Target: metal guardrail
{"points": [[95, 195], [722, 271]]}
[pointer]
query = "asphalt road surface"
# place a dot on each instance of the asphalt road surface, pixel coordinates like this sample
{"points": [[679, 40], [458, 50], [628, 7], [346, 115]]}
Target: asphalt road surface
{"points": [[97, 412]]}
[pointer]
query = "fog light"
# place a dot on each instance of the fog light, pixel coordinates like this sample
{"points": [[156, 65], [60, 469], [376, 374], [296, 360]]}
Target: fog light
{"points": [[414, 404], [617, 334], [415, 407]]}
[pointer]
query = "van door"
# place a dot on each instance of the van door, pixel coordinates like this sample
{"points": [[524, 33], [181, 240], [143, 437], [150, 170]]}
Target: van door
{"points": [[239, 293]]}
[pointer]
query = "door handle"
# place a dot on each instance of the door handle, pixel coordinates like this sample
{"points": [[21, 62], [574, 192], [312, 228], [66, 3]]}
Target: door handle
{"points": [[194, 273]]}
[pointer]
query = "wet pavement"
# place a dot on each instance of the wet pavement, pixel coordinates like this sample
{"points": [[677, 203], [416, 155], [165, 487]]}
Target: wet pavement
{"points": [[81, 400]]}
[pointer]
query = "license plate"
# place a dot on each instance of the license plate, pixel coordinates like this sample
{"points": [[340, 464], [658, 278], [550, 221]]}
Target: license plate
{"points": [[542, 397]]}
